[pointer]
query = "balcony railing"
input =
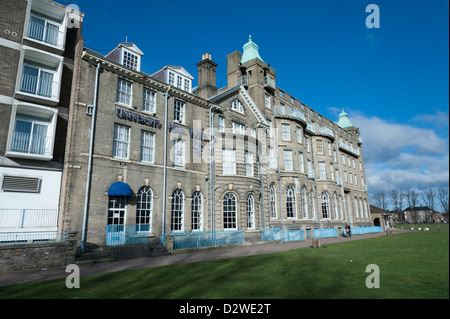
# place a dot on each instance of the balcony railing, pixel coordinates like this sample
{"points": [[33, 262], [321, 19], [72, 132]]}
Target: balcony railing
{"points": [[269, 83], [349, 148], [31, 144], [288, 111], [242, 80], [27, 225], [45, 32], [38, 86]]}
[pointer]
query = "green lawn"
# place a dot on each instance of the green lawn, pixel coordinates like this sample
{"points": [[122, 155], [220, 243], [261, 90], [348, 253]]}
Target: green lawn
{"points": [[412, 265]]}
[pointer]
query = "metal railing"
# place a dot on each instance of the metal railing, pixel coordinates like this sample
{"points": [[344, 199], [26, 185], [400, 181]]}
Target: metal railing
{"points": [[28, 219], [31, 144], [49, 33], [349, 148], [39, 86], [131, 234], [205, 238], [366, 230], [288, 111], [29, 225], [269, 82], [31, 237], [283, 235], [325, 232], [242, 80]]}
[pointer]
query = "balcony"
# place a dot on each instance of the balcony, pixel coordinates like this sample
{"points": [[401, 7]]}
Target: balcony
{"points": [[269, 83], [32, 144], [288, 111], [43, 31], [41, 86], [349, 149], [242, 80]]}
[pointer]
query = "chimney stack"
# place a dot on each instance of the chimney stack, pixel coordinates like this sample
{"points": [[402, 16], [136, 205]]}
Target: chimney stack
{"points": [[206, 77]]}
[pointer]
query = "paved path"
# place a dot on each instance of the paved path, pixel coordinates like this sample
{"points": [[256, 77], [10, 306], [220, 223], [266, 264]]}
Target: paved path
{"points": [[16, 277]]}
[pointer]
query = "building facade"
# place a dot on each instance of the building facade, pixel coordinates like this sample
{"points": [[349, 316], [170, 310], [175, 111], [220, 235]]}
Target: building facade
{"points": [[37, 43], [150, 155]]}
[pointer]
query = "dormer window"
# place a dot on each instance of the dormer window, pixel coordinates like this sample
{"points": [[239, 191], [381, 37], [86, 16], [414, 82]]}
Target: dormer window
{"points": [[130, 60], [128, 55], [236, 105]]}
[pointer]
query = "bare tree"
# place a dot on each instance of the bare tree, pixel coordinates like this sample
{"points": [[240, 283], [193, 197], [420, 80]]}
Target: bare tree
{"points": [[428, 197], [397, 199], [443, 198], [380, 199], [412, 196]]}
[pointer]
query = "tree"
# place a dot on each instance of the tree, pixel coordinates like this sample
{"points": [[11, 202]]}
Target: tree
{"points": [[381, 201], [428, 197], [412, 196], [443, 198], [397, 199]]}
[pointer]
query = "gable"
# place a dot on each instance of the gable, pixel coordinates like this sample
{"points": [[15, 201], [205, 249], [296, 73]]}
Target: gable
{"points": [[239, 93], [180, 70]]}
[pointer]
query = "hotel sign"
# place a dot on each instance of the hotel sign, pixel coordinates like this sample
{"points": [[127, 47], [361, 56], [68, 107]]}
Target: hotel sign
{"points": [[137, 118], [129, 115]]}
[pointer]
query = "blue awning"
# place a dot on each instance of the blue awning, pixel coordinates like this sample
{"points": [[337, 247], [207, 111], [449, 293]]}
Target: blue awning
{"points": [[120, 189]]}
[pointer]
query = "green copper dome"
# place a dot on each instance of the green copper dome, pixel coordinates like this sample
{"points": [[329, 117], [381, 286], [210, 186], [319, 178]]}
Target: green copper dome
{"points": [[344, 121], [250, 51]]}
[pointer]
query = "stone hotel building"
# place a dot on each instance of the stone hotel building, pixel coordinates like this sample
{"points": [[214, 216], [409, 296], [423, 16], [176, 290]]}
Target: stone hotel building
{"points": [[150, 155], [93, 144]]}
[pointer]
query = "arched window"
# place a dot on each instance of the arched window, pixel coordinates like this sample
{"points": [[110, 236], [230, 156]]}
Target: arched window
{"points": [[273, 202], [177, 210], [335, 202], [365, 208], [144, 209], [197, 209], [355, 202], [312, 205], [291, 207], [229, 211], [304, 203], [361, 207], [250, 211], [341, 211], [325, 205]]}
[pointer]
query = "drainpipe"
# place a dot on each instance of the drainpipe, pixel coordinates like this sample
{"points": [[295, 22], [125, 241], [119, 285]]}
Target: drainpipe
{"points": [[91, 150], [344, 200], [211, 168], [165, 163], [319, 205], [279, 174]]}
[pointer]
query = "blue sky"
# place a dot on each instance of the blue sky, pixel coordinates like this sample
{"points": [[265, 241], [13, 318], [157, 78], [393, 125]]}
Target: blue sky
{"points": [[392, 81]]}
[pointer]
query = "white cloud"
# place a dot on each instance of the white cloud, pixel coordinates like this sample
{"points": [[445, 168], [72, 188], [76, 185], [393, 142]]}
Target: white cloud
{"points": [[400, 156]]}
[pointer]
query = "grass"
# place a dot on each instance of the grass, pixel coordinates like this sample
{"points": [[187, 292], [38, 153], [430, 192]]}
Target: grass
{"points": [[412, 265]]}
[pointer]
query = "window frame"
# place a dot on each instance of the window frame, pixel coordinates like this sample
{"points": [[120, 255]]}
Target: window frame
{"points": [[150, 148], [149, 104], [230, 211], [197, 211], [291, 203], [179, 109], [144, 210], [124, 97], [116, 142], [177, 211]]}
